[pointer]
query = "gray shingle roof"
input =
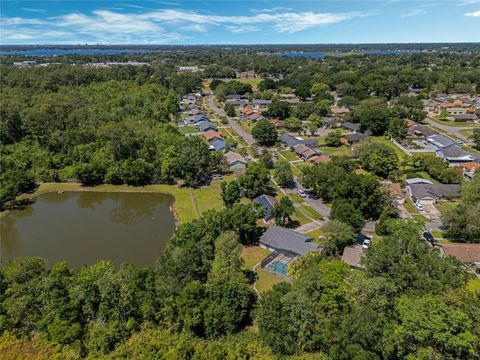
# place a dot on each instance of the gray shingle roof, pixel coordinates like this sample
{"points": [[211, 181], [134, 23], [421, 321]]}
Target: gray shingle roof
{"points": [[206, 125], [441, 141], [456, 152], [436, 191], [280, 238], [351, 126], [355, 137], [291, 141]]}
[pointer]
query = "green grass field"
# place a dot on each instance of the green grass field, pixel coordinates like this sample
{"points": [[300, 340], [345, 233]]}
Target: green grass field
{"points": [[336, 151], [289, 155], [474, 285], [300, 217], [252, 255], [443, 207], [209, 197], [455, 123], [253, 82], [311, 212]]}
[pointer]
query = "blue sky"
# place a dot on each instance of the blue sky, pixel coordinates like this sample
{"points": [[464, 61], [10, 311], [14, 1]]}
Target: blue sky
{"points": [[238, 22]]}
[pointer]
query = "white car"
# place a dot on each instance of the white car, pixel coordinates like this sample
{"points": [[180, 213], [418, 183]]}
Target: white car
{"points": [[302, 193], [366, 243], [419, 206]]}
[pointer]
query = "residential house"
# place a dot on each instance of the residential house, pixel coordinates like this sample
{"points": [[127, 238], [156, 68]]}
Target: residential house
{"points": [[304, 152], [268, 202], [233, 97], [456, 108], [290, 141], [281, 239], [469, 254], [206, 126], [465, 117], [235, 160], [428, 194], [353, 255], [261, 104], [277, 123], [395, 191], [218, 145], [441, 141], [413, 181], [423, 131], [246, 111], [194, 106], [249, 74], [189, 99], [236, 102], [195, 112], [330, 122], [212, 135], [455, 155], [354, 127], [350, 139], [340, 110], [255, 117]]}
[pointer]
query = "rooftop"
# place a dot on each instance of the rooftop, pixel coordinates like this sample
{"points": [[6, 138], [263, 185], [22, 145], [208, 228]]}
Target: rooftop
{"points": [[467, 253], [280, 238], [434, 190]]}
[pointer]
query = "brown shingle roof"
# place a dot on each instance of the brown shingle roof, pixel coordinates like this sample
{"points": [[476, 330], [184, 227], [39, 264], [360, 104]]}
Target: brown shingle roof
{"points": [[210, 134], [467, 253]]}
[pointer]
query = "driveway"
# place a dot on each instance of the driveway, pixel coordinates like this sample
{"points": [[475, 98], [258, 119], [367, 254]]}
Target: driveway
{"points": [[245, 135], [431, 212]]}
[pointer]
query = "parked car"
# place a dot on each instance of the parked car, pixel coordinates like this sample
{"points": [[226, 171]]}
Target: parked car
{"points": [[366, 243], [217, 177], [429, 237], [302, 193], [419, 206]]}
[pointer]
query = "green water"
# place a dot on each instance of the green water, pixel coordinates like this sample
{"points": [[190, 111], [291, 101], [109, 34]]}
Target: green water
{"points": [[84, 227]]}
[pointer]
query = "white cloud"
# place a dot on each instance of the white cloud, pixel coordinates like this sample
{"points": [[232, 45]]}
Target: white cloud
{"points": [[242, 29], [473, 14], [415, 12], [468, 2], [160, 26]]}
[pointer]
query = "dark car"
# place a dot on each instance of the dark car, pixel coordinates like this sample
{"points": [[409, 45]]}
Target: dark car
{"points": [[429, 237]]}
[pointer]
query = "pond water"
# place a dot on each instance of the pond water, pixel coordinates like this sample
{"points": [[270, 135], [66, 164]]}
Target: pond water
{"points": [[84, 227]]}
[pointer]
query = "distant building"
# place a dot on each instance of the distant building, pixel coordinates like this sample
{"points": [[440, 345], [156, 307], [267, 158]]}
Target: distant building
{"points": [[259, 103], [188, 69], [211, 135], [291, 141], [441, 141], [455, 155], [25, 63], [217, 145]]}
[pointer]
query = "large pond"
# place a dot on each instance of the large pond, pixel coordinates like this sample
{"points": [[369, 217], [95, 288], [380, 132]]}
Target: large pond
{"points": [[84, 227]]}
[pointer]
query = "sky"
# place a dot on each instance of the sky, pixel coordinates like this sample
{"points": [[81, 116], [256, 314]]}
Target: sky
{"points": [[238, 22]]}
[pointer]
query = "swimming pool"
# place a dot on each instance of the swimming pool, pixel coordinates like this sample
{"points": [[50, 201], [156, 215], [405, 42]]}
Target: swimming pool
{"points": [[280, 268]]}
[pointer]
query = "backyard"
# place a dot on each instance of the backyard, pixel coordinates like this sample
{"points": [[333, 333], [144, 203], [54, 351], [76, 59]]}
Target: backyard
{"points": [[252, 255]]}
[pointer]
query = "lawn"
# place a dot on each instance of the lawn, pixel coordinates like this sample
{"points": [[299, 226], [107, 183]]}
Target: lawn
{"points": [[289, 155], [336, 151], [474, 285], [444, 206], [209, 197], [413, 210], [311, 212], [298, 216], [296, 198], [253, 82], [316, 234], [187, 130], [455, 123], [466, 132], [421, 174], [252, 255]]}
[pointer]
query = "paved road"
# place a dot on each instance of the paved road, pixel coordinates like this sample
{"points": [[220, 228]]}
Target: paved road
{"points": [[454, 130], [245, 135]]}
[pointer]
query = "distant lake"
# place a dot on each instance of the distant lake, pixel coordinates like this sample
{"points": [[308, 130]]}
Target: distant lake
{"points": [[57, 52], [322, 55], [84, 227]]}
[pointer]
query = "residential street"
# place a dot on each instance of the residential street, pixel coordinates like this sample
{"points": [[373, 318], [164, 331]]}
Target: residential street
{"points": [[454, 130], [233, 123]]}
